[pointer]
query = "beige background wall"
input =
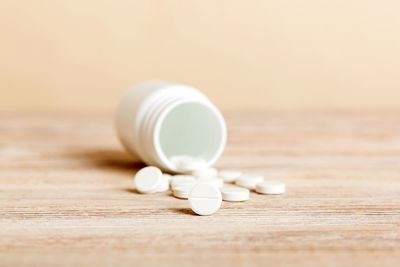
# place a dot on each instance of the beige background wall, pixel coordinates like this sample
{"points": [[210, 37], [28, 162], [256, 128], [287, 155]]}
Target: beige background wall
{"points": [[71, 54]]}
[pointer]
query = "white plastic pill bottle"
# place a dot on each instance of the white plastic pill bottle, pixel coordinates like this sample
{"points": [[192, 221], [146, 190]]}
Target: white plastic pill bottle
{"points": [[156, 121]]}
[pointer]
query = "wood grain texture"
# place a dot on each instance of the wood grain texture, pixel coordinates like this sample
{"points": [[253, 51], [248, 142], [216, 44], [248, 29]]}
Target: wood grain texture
{"points": [[66, 195]]}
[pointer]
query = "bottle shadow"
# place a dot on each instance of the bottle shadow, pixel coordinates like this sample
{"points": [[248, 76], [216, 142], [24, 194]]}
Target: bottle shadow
{"points": [[107, 159]]}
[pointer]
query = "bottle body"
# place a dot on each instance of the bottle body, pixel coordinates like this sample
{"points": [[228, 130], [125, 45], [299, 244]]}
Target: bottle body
{"points": [[157, 120]]}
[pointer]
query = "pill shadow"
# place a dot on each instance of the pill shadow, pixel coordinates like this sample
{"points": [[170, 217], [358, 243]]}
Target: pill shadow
{"points": [[185, 211], [132, 191], [135, 191]]}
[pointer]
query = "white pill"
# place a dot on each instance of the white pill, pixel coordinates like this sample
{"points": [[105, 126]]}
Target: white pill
{"points": [[188, 163], [229, 175], [270, 187], [217, 182], [194, 164], [147, 179], [168, 176], [205, 199], [163, 185], [182, 179], [182, 191], [233, 193], [249, 181], [206, 172], [177, 159]]}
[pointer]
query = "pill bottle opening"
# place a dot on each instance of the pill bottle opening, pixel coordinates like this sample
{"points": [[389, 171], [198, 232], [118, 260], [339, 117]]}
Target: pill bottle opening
{"points": [[191, 129]]}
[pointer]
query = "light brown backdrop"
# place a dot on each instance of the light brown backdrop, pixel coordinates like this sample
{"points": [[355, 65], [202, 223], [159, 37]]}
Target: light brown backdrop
{"points": [[71, 54]]}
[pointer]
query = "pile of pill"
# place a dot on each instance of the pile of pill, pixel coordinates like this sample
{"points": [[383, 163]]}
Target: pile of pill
{"points": [[204, 187]]}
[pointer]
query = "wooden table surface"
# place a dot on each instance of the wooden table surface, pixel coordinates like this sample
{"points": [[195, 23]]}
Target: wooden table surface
{"points": [[67, 198]]}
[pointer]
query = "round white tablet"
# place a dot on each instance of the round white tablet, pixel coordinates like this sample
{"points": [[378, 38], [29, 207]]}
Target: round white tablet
{"points": [[249, 180], [177, 159], [181, 179], [163, 184], [235, 193], [270, 187], [229, 175], [182, 191], [205, 199], [206, 172], [193, 164], [168, 176], [147, 179], [188, 163], [217, 182]]}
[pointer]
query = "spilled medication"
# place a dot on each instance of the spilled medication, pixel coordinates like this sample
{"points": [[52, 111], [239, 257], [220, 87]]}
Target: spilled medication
{"points": [[206, 188]]}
